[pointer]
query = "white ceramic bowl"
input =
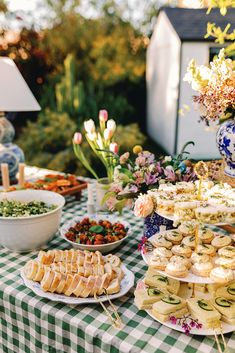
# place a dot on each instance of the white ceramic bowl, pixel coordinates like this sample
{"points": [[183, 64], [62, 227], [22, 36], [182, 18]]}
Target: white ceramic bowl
{"points": [[24, 234], [104, 248]]}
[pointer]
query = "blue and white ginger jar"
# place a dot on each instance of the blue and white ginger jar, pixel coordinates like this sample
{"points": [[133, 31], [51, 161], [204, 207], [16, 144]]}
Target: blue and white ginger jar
{"points": [[225, 140]]}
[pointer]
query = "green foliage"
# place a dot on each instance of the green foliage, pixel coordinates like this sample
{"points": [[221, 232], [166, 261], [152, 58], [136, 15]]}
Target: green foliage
{"points": [[47, 143], [69, 93], [128, 136], [109, 60]]}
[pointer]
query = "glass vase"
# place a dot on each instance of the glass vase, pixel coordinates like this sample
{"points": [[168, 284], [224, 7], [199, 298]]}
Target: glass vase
{"points": [[102, 186]]}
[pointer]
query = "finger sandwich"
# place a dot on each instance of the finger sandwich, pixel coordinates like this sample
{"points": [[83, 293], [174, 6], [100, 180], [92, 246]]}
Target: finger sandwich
{"points": [[227, 292], [154, 279], [226, 308], [169, 305], [146, 297], [204, 312]]}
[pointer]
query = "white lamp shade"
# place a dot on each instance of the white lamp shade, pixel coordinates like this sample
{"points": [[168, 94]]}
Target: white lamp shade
{"points": [[15, 95]]}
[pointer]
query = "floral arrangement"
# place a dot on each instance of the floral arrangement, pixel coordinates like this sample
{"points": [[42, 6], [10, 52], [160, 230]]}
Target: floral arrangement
{"points": [[101, 142], [216, 87], [133, 178]]}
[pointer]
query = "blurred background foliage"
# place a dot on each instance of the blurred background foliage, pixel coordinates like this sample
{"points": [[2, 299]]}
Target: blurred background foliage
{"points": [[80, 56], [76, 66]]}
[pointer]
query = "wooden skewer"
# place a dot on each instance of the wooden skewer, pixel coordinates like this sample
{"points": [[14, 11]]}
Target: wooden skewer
{"points": [[118, 319], [217, 342], [116, 322], [193, 290], [222, 335], [21, 174], [5, 176], [196, 237]]}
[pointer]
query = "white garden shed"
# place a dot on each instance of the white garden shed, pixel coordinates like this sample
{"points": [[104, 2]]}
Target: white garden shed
{"points": [[177, 38]]}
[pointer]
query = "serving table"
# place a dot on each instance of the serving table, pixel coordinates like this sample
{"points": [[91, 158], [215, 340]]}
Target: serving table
{"points": [[30, 324]]}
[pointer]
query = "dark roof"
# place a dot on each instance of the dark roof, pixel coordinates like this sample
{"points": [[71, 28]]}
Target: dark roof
{"points": [[191, 24]]}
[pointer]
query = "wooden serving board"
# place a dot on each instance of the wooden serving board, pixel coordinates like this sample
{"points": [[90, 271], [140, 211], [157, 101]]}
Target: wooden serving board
{"points": [[75, 190], [229, 228]]}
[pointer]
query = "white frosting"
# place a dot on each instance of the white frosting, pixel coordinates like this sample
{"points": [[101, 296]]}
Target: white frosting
{"points": [[221, 241], [227, 251], [207, 249], [180, 259], [225, 261], [157, 260], [197, 258], [222, 272], [162, 252], [161, 242], [181, 249], [188, 227], [176, 266], [189, 241], [203, 266], [174, 235]]}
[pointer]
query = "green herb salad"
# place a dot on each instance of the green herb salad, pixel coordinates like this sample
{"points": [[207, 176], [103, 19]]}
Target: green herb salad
{"points": [[12, 208]]}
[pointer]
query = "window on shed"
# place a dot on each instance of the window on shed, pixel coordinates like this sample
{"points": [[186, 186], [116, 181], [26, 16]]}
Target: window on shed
{"points": [[215, 51]]}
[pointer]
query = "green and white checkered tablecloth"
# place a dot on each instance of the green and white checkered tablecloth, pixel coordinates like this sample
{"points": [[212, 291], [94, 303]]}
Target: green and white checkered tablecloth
{"points": [[30, 324]]}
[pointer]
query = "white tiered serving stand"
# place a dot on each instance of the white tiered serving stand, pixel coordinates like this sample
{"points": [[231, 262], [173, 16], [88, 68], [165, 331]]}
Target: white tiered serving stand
{"points": [[193, 279]]}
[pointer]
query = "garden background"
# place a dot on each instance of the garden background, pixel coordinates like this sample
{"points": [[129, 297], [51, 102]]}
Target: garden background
{"points": [[80, 56]]}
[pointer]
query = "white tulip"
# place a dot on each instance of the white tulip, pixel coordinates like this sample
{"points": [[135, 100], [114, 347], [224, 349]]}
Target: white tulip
{"points": [[108, 134], [89, 126], [111, 125], [100, 142], [92, 136]]}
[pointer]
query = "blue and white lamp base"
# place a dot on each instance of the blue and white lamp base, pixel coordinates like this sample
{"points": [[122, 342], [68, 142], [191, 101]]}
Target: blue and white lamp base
{"points": [[9, 152]]}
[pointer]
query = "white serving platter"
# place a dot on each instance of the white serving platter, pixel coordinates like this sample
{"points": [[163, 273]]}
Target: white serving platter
{"points": [[172, 218], [190, 278], [185, 293], [126, 284], [226, 328]]}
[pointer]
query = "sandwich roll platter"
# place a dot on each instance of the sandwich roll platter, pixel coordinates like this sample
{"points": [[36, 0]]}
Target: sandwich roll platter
{"points": [[77, 277]]}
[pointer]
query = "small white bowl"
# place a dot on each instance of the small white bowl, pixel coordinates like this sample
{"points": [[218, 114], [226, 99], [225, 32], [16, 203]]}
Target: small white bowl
{"points": [[23, 234], [103, 248]]}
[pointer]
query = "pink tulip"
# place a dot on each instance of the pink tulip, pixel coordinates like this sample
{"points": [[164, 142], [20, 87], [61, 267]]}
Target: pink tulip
{"points": [[77, 138], [113, 147], [103, 115]]}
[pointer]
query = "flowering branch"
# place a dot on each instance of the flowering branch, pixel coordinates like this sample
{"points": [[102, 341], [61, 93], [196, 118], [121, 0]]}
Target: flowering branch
{"points": [[186, 322], [216, 87]]}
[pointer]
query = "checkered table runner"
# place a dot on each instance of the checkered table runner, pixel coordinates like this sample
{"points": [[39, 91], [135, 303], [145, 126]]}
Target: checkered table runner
{"points": [[30, 324]]}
